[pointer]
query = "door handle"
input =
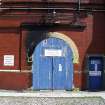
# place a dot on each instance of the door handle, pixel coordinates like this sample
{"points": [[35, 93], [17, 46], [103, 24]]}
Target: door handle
{"points": [[60, 67]]}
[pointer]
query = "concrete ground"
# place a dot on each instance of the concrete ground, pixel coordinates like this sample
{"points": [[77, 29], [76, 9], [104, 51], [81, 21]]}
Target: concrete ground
{"points": [[50, 101], [51, 98]]}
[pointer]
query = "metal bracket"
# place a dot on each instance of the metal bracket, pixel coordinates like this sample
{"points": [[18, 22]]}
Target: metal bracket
{"points": [[29, 59]]}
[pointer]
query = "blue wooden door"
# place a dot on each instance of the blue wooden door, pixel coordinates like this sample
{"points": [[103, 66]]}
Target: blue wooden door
{"points": [[52, 65]]}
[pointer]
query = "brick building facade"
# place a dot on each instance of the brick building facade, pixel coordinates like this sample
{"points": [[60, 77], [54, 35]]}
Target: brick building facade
{"points": [[25, 21]]}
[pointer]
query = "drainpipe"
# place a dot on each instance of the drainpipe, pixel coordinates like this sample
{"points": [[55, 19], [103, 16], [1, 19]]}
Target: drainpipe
{"points": [[0, 5], [79, 5]]}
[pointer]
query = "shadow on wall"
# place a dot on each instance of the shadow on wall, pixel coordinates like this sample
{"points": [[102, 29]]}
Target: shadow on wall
{"points": [[32, 39], [96, 42], [36, 33], [39, 33]]}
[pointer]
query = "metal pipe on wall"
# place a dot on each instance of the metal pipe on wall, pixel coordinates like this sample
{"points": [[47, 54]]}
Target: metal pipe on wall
{"points": [[79, 4], [71, 9]]}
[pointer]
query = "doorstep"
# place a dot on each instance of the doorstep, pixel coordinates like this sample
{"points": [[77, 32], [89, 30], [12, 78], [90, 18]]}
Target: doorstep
{"points": [[49, 93]]}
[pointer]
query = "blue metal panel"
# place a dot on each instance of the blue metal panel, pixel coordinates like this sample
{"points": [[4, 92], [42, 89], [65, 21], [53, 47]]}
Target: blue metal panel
{"points": [[95, 73], [52, 71]]}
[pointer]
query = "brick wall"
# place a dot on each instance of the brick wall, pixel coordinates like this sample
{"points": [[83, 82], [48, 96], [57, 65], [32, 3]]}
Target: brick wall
{"points": [[15, 81], [90, 40], [9, 45]]}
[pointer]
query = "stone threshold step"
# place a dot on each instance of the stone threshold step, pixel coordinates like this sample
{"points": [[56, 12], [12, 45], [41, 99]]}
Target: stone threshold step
{"points": [[6, 93]]}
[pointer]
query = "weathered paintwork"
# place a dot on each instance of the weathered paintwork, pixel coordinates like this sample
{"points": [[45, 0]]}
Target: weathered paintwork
{"points": [[52, 66]]}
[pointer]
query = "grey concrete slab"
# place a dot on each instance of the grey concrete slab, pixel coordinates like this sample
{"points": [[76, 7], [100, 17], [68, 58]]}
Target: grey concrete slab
{"points": [[51, 101], [51, 98]]}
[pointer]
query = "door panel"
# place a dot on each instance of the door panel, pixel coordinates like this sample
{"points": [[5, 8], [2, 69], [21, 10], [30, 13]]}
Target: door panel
{"points": [[59, 73], [42, 67], [59, 67], [62, 67], [69, 69]]}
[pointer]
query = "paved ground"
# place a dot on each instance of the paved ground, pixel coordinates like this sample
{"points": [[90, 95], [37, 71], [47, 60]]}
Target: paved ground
{"points": [[51, 98], [50, 101]]}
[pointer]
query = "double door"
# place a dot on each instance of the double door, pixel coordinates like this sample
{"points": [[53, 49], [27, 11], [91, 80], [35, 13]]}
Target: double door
{"points": [[52, 65]]}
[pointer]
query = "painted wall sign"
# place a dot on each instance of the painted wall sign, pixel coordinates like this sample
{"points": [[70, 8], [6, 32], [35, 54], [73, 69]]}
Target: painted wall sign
{"points": [[94, 73], [53, 52], [95, 62], [8, 60]]}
